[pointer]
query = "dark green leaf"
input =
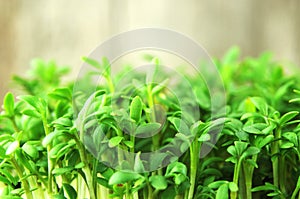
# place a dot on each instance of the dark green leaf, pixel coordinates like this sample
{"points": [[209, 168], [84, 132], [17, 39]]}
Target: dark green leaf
{"points": [[103, 182], [70, 191]]}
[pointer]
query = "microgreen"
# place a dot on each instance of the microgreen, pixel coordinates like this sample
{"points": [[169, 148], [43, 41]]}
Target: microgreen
{"points": [[58, 142]]}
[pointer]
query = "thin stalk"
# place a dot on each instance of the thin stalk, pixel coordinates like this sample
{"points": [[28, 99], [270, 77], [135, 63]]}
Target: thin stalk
{"points": [[194, 155], [282, 176], [94, 173], [23, 180], [295, 193], [242, 181], [249, 177], [237, 168], [110, 83], [156, 138], [136, 195], [86, 169], [149, 191], [50, 161], [128, 194], [40, 192], [275, 162], [80, 188], [296, 190]]}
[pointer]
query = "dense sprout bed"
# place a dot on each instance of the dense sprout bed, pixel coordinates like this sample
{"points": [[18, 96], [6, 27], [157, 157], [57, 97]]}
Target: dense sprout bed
{"points": [[51, 141]]}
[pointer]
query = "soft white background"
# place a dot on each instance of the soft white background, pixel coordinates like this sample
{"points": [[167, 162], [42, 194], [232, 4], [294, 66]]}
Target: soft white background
{"points": [[65, 30]]}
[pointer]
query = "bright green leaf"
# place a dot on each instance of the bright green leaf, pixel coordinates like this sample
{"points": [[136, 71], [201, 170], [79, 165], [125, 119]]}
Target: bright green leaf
{"points": [[9, 104], [121, 177], [115, 141], [158, 182]]}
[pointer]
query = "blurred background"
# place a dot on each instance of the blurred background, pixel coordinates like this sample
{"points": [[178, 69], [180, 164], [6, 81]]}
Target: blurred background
{"points": [[66, 30]]}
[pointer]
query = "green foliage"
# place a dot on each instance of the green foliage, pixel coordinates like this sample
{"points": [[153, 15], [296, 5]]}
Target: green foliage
{"points": [[46, 152]]}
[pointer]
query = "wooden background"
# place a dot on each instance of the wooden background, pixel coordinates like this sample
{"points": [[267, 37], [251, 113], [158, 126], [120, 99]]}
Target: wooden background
{"points": [[65, 30]]}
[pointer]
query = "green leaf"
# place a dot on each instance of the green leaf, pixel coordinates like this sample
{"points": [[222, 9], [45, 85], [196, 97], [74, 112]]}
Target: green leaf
{"points": [[30, 150], [179, 178], [138, 164], [287, 117], [62, 121], [12, 147], [115, 141], [54, 151], [9, 104], [269, 128], [204, 138], [240, 147], [128, 143], [180, 125], [252, 129], [251, 162], [176, 167], [231, 55], [92, 62], [260, 104], [31, 113], [5, 180], [222, 192], [136, 108], [61, 171], [49, 138], [79, 165], [202, 97], [232, 159], [217, 184], [291, 136], [158, 182], [286, 145], [31, 100], [8, 176], [160, 87], [266, 187], [169, 193], [121, 177], [103, 182], [232, 151], [251, 151], [268, 139], [147, 129], [61, 94], [71, 192], [251, 115]]}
